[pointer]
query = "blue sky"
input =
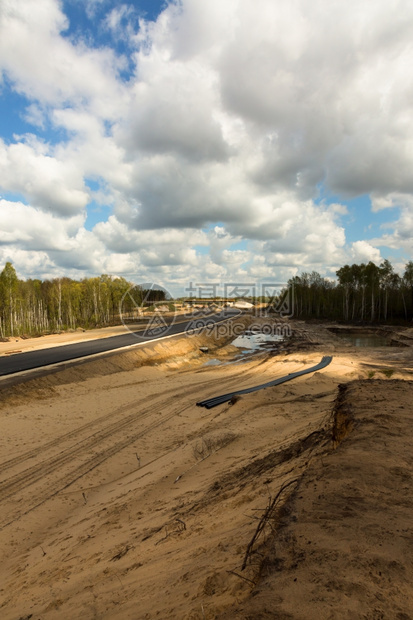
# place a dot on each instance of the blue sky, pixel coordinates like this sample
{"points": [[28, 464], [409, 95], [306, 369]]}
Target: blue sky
{"points": [[199, 141]]}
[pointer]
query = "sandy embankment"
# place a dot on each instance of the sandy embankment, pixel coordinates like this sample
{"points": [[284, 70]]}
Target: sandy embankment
{"points": [[122, 499]]}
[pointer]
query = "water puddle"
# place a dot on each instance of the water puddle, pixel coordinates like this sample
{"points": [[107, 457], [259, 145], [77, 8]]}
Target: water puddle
{"points": [[243, 357], [362, 339], [256, 341], [365, 341], [213, 362], [250, 343]]}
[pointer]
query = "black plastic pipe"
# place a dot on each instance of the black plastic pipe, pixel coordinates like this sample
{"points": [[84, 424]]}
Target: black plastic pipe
{"points": [[219, 400]]}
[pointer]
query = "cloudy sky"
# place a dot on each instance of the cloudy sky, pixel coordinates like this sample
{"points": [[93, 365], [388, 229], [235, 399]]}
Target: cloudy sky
{"points": [[205, 141]]}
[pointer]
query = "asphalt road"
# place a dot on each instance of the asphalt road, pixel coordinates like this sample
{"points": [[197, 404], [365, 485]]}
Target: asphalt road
{"points": [[19, 362]]}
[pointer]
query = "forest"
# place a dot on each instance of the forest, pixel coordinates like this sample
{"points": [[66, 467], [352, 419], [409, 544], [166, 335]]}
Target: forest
{"points": [[35, 307], [364, 293]]}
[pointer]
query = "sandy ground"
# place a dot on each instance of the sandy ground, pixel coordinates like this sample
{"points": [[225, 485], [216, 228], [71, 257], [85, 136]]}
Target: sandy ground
{"points": [[120, 498]]}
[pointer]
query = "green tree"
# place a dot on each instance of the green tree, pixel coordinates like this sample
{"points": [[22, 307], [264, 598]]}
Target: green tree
{"points": [[407, 288], [9, 284], [346, 278]]}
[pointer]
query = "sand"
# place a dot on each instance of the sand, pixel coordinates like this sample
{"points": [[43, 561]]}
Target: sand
{"points": [[123, 499]]}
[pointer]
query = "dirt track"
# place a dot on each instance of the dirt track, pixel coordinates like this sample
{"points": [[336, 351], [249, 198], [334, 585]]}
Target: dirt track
{"points": [[122, 499]]}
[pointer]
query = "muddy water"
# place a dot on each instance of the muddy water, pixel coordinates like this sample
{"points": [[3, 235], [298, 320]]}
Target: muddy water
{"points": [[364, 340], [254, 341], [249, 343]]}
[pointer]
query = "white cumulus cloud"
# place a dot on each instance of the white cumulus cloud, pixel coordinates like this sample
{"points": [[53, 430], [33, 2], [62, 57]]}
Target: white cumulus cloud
{"points": [[210, 139]]}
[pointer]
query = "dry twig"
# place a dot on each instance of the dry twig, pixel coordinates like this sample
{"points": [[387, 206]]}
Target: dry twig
{"points": [[264, 520]]}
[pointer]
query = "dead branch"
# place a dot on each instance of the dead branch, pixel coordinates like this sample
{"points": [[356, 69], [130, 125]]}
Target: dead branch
{"points": [[121, 553], [264, 520], [182, 522], [241, 577]]}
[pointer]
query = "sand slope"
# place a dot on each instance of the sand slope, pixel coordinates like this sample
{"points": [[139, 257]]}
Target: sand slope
{"points": [[122, 499], [343, 546]]}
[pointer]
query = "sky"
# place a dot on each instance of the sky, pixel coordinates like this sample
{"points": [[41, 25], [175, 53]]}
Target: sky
{"points": [[192, 141]]}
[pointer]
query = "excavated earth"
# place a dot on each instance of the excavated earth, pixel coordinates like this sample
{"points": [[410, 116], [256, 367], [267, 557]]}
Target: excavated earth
{"points": [[120, 498]]}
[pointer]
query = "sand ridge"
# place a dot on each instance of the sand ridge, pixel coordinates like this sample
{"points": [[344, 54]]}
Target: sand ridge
{"points": [[342, 547]]}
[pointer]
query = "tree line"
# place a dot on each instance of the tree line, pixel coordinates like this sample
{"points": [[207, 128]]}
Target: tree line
{"points": [[362, 293], [31, 307]]}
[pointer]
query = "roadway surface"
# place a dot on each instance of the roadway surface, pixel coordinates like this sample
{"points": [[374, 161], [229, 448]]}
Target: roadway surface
{"points": [[19, 362]]}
